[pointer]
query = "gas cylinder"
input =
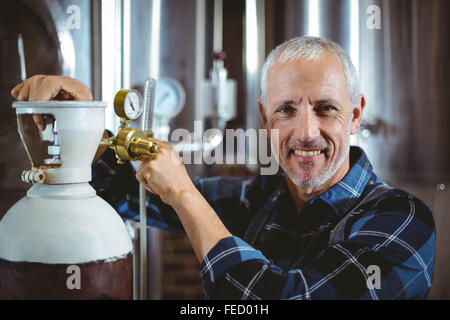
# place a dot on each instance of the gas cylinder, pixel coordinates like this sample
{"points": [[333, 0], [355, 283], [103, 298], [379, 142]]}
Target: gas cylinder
{"points": [[61, 241]]}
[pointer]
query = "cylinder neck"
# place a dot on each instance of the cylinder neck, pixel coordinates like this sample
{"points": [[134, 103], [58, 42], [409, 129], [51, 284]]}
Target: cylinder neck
{"points": [[62, 191]]}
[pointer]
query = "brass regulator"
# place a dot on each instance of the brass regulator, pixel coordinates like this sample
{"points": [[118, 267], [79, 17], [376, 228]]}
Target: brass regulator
{"points": [[130, 143]]}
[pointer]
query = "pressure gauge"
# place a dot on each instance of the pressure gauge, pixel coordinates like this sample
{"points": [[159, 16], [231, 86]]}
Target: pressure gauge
{"points": [[128, 104], [170, 98]]}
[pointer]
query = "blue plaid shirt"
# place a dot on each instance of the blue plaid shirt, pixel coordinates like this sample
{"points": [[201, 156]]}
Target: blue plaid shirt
{"points": [[290, 256]]}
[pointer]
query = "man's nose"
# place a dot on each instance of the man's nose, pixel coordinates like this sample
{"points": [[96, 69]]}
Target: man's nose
{"points": [[307, 125]]}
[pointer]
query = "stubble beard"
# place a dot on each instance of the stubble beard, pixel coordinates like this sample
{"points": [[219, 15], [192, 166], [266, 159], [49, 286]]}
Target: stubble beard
{"points": [[304, 180]]}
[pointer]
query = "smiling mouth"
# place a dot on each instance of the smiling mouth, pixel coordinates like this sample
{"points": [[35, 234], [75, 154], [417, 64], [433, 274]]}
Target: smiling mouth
{"points": [[304, 153]]}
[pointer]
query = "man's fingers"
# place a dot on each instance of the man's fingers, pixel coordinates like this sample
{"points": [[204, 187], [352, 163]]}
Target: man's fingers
{"points": [[39, 121], [144, 177], [79, 92], [62, 95], [24, 92], [139, 177], [16, 90], [45, 89], [147, 177]]}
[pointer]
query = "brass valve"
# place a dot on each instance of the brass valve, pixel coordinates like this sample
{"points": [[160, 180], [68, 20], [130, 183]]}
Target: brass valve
{"points": [[131, 144]]}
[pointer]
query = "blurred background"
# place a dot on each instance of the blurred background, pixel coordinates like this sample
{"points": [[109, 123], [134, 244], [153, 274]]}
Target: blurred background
{"points": [[400, 48]]}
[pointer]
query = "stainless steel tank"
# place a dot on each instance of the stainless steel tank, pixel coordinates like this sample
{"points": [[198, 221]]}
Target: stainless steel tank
{"points": [[404, 72], [47, 48], [404, 68]]}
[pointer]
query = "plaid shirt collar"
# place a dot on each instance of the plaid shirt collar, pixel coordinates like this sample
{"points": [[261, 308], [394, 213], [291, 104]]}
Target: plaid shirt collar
{"points": [[342, 196], [345, 194]]}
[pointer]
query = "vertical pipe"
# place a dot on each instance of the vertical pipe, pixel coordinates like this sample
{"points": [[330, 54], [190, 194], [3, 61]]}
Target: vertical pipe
{"points": [[21, 50], [152, 284], [96, 45], [199, 58], [354, 33], [254, 52], [313, 18], [218, 25], [354, 46], [154, 41], [143, 243], [151, 273], [126, 45], [111, 27], [118, 61], [387, 79]]}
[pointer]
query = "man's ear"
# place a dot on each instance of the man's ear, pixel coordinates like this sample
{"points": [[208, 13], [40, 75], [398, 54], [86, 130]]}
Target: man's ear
{"points": [[262, 113], [357, 114]]}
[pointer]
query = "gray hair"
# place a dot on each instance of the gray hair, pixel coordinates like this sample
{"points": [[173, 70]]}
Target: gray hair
{"points": [[310, 48]]}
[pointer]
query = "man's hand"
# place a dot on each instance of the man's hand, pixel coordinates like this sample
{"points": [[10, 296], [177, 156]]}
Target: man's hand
{"points": [[165, 175], [46, 88]]}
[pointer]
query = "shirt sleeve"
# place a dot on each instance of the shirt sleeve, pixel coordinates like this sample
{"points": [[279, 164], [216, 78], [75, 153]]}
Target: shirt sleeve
{"points": [[389, 254], [117, 185]]}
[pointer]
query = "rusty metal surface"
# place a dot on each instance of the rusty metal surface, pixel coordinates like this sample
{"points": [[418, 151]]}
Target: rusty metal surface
{"points": [[106, 279]]}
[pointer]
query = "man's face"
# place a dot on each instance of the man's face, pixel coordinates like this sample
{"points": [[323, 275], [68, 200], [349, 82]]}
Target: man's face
{"points": [[309, 103]]}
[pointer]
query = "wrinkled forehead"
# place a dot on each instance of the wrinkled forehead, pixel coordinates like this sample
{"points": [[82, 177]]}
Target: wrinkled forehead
{"points": [[322, 77]]}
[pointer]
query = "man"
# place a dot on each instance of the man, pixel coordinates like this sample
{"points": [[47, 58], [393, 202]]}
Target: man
{"points": [[327, 228]]}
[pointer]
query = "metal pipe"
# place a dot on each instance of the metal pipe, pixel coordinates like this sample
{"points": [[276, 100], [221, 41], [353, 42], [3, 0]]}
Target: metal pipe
{"points": [[23, 69], [199, 58], [143, 242], [254, 58], [218, 25], [146, 125]]}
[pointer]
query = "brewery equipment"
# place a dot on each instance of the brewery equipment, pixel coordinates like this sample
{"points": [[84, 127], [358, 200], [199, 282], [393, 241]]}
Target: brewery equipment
{"points": [[170, 99], [130, 144], [133, 144], [402, 64], [62, 241], [219, 94], [34, 39]]}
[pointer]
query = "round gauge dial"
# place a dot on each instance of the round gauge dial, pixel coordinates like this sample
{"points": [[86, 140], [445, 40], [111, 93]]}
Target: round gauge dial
{"points": [[170, 98], [128, 104], [133, 105]]}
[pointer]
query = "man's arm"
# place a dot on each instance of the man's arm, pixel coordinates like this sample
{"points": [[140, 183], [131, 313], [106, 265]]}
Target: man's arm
{"points": [[166, 176], [118, 186], [170, 180], [201, 224], [397, 236]]}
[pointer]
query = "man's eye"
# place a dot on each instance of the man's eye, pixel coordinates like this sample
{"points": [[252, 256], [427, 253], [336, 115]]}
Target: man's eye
{"points": [[285, 109], [325, 108]]}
